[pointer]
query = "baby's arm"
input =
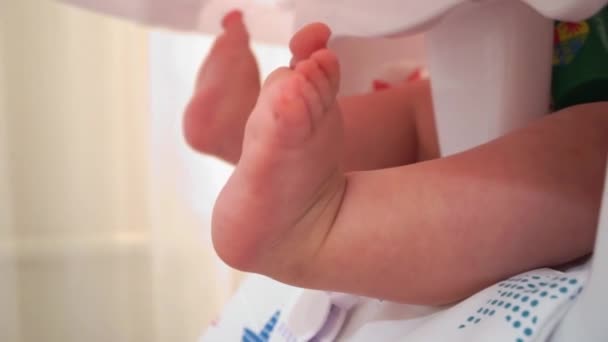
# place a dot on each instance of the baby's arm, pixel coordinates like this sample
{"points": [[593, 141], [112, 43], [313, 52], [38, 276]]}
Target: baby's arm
{"points": [[436, 232]]}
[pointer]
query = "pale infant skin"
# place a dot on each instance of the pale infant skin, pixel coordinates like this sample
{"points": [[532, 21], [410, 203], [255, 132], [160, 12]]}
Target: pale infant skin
{"points": [[350, 194]]}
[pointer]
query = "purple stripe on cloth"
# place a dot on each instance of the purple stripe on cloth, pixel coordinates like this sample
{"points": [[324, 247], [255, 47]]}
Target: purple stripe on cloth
{"points": [[330, 323]]}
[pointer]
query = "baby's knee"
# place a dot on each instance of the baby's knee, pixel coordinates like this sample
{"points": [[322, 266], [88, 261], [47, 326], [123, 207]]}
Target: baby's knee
{"points": [[591, 111], [589, 120]]}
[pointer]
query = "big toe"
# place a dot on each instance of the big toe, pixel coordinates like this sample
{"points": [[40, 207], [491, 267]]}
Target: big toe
{"points": [[306, 41], [323, 72], [233, 23]]}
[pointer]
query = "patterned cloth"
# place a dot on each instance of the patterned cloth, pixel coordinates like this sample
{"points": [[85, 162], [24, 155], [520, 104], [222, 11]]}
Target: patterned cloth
{"points": [[523, 308]]}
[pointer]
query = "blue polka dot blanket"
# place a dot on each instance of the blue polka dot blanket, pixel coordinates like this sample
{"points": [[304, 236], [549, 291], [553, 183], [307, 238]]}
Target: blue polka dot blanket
{"points": [[523, 308]]}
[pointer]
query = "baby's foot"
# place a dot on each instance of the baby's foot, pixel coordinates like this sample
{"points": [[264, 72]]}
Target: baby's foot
{"points": [[281, 199], [226, 90]]}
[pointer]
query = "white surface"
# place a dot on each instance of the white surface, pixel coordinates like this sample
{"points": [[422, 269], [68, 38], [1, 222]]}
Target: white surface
{"points": [[344, 300], [372, 18], [480, 318], [390, 17], [272, 19], [490, 71], [333, 331], [308, 313], [567, 10], [268, 21]]}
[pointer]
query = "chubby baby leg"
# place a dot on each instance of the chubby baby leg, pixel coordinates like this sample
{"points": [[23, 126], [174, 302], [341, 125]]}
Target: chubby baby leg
{"points": [[428, 233]]}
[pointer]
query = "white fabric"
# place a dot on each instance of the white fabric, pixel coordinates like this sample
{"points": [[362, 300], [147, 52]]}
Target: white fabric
{"points": [[308, 313], [269, 21], [350, 17], [390, 17], [526, 308], [345, 17], [367, 18], [178, 14]]}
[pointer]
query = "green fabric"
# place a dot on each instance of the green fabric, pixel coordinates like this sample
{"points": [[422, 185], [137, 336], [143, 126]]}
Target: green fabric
{"points": [[580, 61]]}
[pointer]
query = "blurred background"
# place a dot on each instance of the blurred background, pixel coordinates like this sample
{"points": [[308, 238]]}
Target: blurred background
{"points": [[104, 211]]}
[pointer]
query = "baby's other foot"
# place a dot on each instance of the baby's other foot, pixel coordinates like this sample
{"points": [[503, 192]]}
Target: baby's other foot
{"points": [[227, 88]]}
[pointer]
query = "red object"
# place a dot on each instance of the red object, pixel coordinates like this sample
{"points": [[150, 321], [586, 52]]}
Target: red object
{"points": [[573, 27], [555, 37], [234, 14], [381, 85], [415, 76]]}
